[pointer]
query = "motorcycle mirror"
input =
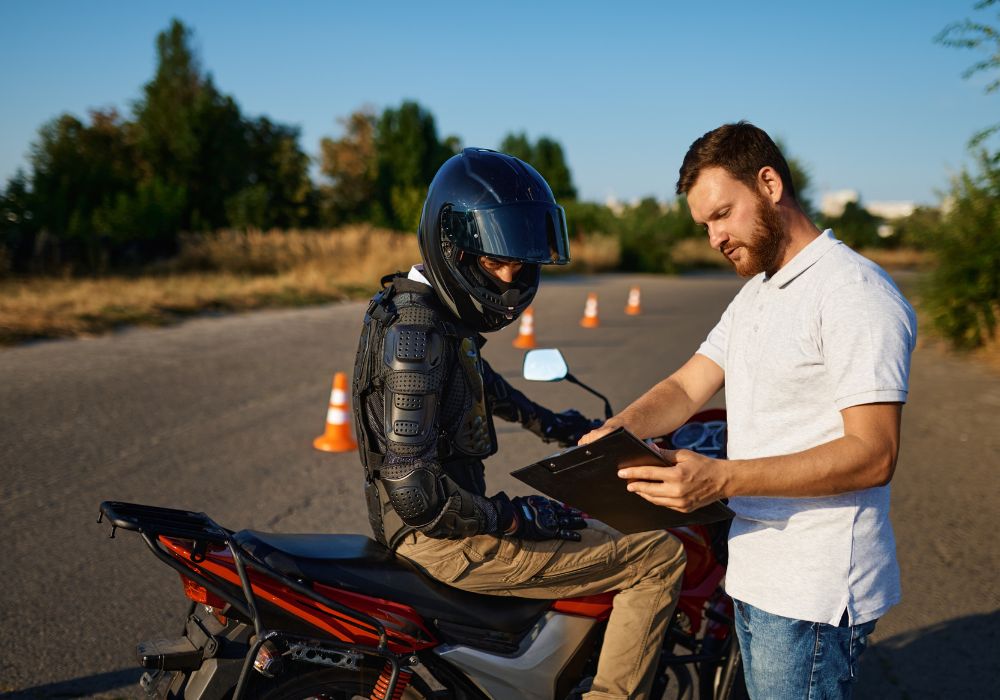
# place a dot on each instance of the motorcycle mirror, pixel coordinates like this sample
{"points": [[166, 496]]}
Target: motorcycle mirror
{"points": [[545, 365]]}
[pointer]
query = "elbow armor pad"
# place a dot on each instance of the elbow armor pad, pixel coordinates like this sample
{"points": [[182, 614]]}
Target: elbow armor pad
{"points": [[438, 507], [416, 497]]}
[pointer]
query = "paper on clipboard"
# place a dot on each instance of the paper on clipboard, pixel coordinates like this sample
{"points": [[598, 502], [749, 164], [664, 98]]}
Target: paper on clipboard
{"points": [[586, 477]]}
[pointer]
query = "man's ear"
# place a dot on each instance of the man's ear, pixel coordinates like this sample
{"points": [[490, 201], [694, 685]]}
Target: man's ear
{"points": [[770, 184]]}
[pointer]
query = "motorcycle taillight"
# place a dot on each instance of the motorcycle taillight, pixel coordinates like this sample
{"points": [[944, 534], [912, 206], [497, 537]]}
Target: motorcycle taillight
{"points": [[200, 594]]}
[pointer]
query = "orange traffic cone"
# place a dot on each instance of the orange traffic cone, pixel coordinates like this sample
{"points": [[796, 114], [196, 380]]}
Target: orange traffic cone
{"points": [[526, 331], [337, 436], [633, 308], [589, 319]]}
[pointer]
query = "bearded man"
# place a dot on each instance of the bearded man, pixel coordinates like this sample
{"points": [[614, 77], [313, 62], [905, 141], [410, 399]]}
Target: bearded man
{"points": [[814, 353]]}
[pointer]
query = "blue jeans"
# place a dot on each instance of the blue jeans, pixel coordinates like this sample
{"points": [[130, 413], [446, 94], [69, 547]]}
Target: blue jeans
{"points": [[786, 659]]}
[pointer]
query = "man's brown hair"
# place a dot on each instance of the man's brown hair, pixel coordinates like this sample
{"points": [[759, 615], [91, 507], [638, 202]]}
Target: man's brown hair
{"points": [[741, 149]]}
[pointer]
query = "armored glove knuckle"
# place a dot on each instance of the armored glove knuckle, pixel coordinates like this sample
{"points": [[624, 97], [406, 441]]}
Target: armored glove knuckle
{"points": [[568, 427], [539, 518]]}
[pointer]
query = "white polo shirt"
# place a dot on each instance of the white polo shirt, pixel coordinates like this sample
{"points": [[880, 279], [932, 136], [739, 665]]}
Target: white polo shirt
{"points": [[828, 331]]}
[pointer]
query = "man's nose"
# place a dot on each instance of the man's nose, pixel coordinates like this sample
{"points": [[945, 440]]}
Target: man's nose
{"points": [[716, 236], [507, 272]]}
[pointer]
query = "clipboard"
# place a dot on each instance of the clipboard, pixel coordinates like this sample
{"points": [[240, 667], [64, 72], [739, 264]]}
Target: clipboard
{"points": [[586, 477]]}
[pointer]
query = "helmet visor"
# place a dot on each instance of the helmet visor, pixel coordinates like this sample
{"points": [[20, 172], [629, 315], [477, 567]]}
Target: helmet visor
{"points": [[530, 232]]}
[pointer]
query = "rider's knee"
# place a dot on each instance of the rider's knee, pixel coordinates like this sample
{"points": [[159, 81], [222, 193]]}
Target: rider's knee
{"points": [[663, 555]]}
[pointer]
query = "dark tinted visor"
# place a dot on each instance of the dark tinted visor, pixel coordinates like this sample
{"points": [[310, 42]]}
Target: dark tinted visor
{"points": [[531, 232]]}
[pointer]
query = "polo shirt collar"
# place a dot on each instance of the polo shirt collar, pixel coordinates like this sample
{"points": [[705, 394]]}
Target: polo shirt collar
{"points": [[804, 259]]}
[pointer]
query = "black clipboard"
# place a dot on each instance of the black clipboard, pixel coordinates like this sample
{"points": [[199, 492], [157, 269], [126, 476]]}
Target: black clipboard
{"points": [[586, 477]]}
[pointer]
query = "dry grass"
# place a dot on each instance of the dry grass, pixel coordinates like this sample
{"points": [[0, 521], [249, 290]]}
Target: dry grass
{"points": [[696, 253], [692, 253], [354, 255], [593, 252], [224, 271], [229, 270], [989, 354], [900, 259]]}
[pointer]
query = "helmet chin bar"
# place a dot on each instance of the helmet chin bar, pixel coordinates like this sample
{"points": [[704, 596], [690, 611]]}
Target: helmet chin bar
{"points": [[508, 299], [511, 297]]}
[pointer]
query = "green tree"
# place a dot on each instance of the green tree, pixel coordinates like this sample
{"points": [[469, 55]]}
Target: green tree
{"points": [[518, 145], [79, 171], [646, 239], [407, 155], [919, 228], [551, 162], [547, 157], [18, 227], [585, 218], [350, 165], [963, 291], [115, 191], [279, 193], [232, 170], [190, 136], [856, 226], [801, 179], [979, 36], [679, 222]]}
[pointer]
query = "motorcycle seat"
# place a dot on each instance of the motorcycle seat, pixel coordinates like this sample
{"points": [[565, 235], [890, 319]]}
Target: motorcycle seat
{"points": [[361, 565]]}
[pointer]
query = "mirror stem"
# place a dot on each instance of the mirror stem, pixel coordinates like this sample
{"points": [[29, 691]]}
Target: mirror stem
{"points": [[607, 404]]}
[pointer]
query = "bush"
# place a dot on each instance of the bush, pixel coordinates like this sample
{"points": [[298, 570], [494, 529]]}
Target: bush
{"points": [[962, 294]]}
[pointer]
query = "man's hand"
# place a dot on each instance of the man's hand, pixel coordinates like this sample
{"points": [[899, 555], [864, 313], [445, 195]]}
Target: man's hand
{"points": [[610, 425], [694, 481], [540, 518]]}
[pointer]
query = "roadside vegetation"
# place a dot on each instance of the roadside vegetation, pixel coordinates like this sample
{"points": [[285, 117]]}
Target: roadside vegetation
{"points": [[229, 271], [188, 205]]}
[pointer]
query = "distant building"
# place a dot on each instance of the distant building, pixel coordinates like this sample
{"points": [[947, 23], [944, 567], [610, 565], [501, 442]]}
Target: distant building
{"points": [[615, 205], [832, 203], [891, 210]]}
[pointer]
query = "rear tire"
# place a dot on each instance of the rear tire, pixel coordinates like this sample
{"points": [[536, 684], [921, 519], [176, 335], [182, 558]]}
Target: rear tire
{"points": [[724, 680]]}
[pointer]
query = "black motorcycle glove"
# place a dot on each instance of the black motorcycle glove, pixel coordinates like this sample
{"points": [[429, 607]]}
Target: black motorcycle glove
{"points": [[567, 427], [538, 518]]}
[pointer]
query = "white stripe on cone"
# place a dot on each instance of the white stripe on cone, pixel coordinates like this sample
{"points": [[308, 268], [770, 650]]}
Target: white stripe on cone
{"points": [[336, 416]]}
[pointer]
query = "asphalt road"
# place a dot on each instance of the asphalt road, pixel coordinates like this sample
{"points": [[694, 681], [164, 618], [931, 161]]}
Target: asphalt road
{"points": [[218, 414]]}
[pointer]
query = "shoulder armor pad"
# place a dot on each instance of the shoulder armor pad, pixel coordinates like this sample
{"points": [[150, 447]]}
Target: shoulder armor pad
{"points": [[412, 348]]}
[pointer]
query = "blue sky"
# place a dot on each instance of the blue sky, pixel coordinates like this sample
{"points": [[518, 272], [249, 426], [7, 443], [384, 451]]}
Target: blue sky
{"points": [[858, 91]]}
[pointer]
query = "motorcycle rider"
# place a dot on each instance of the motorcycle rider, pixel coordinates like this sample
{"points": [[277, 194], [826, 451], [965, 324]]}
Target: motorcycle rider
{"points": [[424, 401]]}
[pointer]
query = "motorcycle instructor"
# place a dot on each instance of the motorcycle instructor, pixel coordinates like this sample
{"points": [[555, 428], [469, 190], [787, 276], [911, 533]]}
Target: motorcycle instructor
{"points": [[814, 352], [424, 401]]}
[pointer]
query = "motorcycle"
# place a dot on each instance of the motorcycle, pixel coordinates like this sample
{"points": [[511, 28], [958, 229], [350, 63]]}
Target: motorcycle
{"points": [[288, 616]]}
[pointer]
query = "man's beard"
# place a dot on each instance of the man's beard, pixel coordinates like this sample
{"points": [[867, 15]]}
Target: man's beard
{"points": [[763, 250]]}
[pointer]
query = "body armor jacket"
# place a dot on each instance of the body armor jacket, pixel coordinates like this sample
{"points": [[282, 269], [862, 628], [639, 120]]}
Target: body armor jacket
{"points": [[424, 401]]}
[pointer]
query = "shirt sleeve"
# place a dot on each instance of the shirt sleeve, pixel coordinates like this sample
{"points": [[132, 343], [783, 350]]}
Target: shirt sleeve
{"points": [[716, 345], [868, 331]]}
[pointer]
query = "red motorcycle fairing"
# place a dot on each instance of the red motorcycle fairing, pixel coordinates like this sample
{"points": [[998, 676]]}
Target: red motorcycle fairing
{"points": [[702, 577], [596, 606], [404, 626]]}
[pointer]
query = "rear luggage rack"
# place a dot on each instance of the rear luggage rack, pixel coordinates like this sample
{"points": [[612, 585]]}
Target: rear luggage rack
{"points": [[152, 522], [170, 522]]}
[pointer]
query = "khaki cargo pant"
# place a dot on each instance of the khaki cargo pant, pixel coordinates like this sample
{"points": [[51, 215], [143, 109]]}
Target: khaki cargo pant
{"points": [[645, 567]]}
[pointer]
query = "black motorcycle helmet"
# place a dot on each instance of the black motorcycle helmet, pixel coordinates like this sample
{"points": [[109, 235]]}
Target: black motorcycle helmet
{"points": [[485, 203]]}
